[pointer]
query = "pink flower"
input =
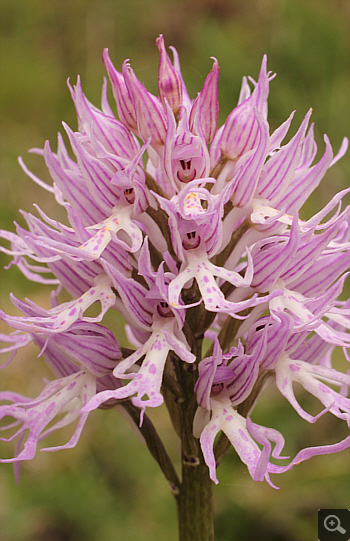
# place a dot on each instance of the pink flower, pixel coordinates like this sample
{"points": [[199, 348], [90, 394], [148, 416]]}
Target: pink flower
{"points": [[187, 230]]}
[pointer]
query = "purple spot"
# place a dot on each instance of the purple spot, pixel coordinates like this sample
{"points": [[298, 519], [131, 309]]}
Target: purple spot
{"points": [[206, 279], [243, 435], [294, 367], [229, 418], [208, 289], [156, 345], [324, 388], [72, 312], [50, 408], [71, 386], [152, 369]]}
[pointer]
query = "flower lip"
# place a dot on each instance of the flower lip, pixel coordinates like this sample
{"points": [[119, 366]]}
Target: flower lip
{"points": [[186, 173], [164, 309], [129, 194], [185, 164], [191, 241], [216, 389]]}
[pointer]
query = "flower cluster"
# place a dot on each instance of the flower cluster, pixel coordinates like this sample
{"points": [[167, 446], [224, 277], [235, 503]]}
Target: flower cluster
{"points": [[192, 233]]}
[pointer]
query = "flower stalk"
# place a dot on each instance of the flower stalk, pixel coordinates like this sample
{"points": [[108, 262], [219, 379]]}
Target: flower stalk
{"points": [[195, 502]]}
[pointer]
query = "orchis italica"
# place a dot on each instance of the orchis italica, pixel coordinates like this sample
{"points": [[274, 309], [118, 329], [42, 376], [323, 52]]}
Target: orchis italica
{"points": [[192, 233]]}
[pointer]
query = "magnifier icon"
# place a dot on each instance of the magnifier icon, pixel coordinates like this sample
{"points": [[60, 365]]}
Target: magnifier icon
{"points": [[332, 524]]}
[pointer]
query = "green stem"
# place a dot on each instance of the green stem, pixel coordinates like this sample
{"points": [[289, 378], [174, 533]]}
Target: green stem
{"points": [[195, 497], [195, 502]]}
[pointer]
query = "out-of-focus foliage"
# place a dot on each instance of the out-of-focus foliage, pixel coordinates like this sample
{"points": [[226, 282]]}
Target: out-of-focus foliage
{"points": [[108, 487]]}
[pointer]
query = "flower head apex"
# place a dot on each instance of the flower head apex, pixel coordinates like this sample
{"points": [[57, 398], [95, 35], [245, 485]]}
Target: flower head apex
{"points": [[169, 80]]}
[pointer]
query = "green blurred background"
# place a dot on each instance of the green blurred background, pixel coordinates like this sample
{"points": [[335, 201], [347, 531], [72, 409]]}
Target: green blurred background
{"points": [[109, 487]]}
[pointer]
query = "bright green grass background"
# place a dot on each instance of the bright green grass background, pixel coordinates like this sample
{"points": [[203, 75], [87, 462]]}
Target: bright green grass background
{"points": [[109, 488]]}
